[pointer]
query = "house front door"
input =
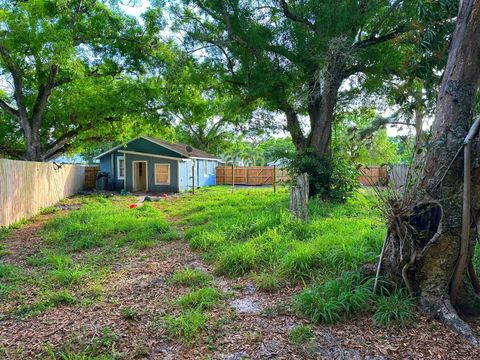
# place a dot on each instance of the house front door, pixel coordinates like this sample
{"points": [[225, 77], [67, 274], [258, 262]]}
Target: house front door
{"points": [[140, 176]]}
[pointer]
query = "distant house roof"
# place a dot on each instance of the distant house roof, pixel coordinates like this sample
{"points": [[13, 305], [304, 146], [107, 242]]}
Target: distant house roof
{"points": [[279, 162], [179, 148], [182, 149]]}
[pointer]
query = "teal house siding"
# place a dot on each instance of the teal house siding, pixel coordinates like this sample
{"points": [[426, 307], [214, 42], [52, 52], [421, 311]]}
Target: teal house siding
{"points": [[150, 171], [145, 146], [152, 151]]}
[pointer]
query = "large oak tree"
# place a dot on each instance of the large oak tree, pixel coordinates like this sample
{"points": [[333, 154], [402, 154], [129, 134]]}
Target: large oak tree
{"points": [[68, 74], [297, 55], [427, 246]]}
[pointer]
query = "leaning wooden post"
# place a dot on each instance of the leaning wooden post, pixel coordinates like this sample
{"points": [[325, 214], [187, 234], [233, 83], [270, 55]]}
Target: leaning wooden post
{"points": [[274, 178], [299, 197], [193, 177], [462, 262], [233, 176]]}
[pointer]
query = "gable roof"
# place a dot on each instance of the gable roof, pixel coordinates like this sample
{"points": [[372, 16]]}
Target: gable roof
{"points": [[182, 149], [179, 148]]}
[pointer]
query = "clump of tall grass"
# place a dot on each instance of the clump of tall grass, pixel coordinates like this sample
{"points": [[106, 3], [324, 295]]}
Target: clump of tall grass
{"points": [[337, 299], [186, 326], [266, 281], [397, 308], [191, 277], [301, 334], [204, 298]]}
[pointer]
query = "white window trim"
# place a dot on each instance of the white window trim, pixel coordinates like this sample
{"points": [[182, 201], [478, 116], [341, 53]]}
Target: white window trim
{"points": [[155, 174], [118, 167]]}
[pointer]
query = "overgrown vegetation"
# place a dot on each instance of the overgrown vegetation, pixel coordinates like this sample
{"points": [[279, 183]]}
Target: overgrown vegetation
{"points": [[349, 296], [251, 231], [204, 298], [76, 253], [342, 298], [397, 308]]}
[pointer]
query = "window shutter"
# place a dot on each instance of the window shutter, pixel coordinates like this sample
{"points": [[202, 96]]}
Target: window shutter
{"points": [[162, 174]]}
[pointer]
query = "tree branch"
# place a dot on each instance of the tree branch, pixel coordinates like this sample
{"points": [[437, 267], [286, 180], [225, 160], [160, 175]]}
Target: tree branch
{"points": [[232, 34], [60, 144], [44, 92], [14, 153], [293, 127], [374, 39], [8, 109], [18, 87], [290, 15]]}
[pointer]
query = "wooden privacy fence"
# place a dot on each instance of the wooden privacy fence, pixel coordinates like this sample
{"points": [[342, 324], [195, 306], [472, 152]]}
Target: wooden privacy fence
{"points": [[250, 175], [91, 176], [26, 187], [373, 175]]}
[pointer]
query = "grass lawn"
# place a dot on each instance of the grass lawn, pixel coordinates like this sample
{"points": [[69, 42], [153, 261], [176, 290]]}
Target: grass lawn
{"points": [[115, 282], [252, 232], [76, 252]]}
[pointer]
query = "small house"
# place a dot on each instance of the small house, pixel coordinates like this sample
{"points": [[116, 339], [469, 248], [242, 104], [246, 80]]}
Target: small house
{"points": [[147, 164]]}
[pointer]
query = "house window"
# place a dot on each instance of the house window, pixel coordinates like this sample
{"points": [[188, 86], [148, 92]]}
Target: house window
{"points": [[120, 167], [162, 174], [205, 169]]}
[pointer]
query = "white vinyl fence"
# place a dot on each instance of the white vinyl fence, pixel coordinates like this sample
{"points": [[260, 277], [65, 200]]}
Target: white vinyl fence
{"points": [[26, 187]]}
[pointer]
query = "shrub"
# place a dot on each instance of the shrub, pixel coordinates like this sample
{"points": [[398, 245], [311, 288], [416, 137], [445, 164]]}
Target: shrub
{"points": [[395, 309], [301, 334], [205, 298], [336, 299], [186, 327], [191, 277], [335, 178]]}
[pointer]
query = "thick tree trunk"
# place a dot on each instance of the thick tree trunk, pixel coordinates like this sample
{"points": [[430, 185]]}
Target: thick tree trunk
{"points": [[425, 226], [34, 151], [317, 144]]}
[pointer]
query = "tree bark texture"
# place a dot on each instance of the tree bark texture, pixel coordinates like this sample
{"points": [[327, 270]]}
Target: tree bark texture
{"points": [[425, 225], [299, 198]]}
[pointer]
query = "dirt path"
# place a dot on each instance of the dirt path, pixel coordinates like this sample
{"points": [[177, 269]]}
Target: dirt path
{"points": [[250, 324]]}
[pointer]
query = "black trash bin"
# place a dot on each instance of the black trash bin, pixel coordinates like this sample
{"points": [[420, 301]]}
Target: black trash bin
{"points": [[102, 181]]}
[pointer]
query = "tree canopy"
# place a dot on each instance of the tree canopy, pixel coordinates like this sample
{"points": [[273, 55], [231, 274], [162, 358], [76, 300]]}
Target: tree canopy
{"points": [[73, 72], [302, 57]]}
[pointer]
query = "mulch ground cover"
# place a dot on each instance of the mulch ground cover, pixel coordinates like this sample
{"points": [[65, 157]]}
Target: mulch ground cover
{"points": [[248, 324]]}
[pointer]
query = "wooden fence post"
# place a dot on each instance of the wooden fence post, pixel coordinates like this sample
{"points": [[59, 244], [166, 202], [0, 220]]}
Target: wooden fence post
{"points": [[233, 176], [274, 178]]}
